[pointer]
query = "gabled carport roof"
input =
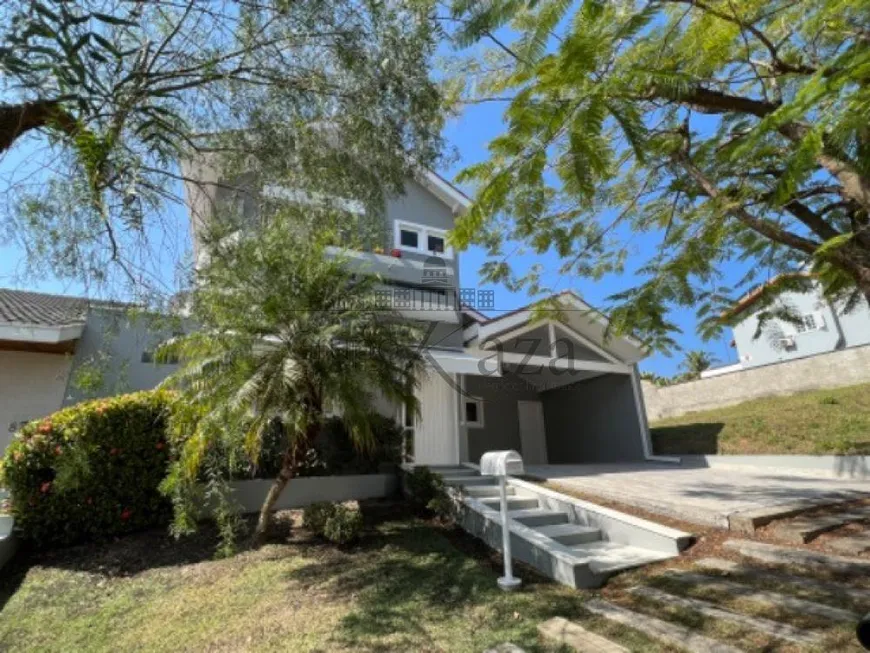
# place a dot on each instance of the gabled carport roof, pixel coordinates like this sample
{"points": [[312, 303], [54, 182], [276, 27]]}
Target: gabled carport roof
{"points": [[584, 320]]}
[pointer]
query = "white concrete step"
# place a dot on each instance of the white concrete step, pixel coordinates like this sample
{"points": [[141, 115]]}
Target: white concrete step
{"points": [[456, 471], [856, 594], [482, 491], [513, 503], [610, 557], [574, 636], [570, 533], [538, 517], [464, 481], [783, 555], [766, 626], [557, 534], [674, 635], [764, 597]]}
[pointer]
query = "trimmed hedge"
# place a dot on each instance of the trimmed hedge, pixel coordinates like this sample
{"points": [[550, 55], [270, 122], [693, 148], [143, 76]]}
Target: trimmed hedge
{"points": [[91, 470]]}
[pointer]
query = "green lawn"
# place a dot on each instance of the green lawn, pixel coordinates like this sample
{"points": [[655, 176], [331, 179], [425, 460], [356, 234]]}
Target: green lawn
{"points": [[409, 586], [820, 422]]}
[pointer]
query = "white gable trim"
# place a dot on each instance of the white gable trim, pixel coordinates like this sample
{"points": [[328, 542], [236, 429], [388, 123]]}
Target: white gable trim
{"points": [[553, 325], [40, 333], [458, 202]]}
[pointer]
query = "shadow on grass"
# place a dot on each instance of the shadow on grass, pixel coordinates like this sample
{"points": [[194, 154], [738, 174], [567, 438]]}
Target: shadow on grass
{"points": [[115, 558], [687, 439], [411, 579]]}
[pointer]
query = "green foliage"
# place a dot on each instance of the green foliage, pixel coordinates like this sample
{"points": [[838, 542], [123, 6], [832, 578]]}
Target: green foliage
{"points": [[422, 487], [696, 361], [116, 94], [286, 330], [336, 522], [334, 451], [315, 515], [829, 400], [343, 526], [720, 132], [90, 471]]}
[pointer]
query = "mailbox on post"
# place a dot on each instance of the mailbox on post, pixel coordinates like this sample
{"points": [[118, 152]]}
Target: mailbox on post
{"points": [[503, 464]]}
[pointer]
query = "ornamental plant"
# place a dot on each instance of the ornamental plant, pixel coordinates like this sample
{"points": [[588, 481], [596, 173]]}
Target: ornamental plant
{"points": [[91, 470]]}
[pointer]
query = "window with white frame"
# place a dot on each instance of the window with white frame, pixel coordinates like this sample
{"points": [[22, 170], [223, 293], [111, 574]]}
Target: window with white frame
{"points": [[419, 238], [810, 322], [472, 412]]}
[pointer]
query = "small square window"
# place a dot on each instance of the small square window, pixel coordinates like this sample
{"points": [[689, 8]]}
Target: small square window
{"points": [[473, 412], [409, 238], [436, 244]]}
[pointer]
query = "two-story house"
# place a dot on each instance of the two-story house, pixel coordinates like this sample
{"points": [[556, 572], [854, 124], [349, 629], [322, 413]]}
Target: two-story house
{"points": [[822, 327], [556, 390]]}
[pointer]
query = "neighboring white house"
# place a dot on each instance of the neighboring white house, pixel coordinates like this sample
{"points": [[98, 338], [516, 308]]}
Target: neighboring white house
{"points": [[48, 341], [823, 328]]}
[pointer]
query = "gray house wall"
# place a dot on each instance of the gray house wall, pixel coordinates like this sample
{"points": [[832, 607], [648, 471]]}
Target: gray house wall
{"points": [[501, 428], [839, 331], [111, 349], [593, 421], [420, 206]]}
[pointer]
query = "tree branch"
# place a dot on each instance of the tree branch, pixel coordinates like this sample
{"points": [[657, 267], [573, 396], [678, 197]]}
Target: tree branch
{"points": [[18, 119], [766, 228]]}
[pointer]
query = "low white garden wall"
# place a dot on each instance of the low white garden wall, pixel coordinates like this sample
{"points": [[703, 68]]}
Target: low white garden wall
{"points": [[301, 492]]}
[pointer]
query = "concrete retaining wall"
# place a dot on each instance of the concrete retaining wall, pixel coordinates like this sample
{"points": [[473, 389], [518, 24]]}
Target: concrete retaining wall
{"points": [[301, 492], [839, 368]]}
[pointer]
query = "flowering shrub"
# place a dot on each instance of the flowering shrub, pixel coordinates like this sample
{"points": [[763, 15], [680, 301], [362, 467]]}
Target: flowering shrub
{"points": [[91, 470]]}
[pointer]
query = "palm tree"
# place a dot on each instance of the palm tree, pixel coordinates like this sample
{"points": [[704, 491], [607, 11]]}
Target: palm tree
{"points": [[697, 361], [285, 330]]}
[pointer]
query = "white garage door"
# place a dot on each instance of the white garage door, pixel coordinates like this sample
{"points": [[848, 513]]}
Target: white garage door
{"points": [[31, 386]]}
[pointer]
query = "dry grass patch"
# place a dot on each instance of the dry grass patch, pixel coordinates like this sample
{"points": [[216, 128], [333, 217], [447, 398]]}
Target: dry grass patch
{"points": [[833, 421]]}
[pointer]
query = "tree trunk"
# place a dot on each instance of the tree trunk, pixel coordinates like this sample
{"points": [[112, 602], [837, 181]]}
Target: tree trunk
{"points": [[287, 473]]}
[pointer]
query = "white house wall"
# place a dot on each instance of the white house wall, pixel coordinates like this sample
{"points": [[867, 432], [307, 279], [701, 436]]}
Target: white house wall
{"points": [[31, 386], [436, 436]]}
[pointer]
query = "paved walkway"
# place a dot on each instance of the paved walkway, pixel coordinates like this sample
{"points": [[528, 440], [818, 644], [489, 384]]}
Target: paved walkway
{"points": [[701, 495]]}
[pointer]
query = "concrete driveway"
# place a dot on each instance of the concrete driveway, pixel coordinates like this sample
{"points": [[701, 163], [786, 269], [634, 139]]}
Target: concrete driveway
{"points": [[702, 495]]}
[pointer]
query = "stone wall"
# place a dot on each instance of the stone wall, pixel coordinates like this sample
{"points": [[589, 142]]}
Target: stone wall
{"points": [[839, 368]]}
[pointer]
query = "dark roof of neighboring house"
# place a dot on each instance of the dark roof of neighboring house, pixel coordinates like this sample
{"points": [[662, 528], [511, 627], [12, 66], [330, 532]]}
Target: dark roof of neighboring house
{"points": [[40, 309]]}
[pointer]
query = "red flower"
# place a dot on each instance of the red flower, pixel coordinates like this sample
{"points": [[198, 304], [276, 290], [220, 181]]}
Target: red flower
{"points": [[45, 427], [126, 514], [113, 451], [45, 487], [160, 445], [57, 450]]}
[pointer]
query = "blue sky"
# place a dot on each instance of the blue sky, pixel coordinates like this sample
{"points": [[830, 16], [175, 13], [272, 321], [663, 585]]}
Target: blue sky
{"points": [[469, 135]]}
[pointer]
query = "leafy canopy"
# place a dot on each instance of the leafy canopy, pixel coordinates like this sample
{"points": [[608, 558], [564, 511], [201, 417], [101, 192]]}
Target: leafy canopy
{"points": [[100, 99], [731, 130]]}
